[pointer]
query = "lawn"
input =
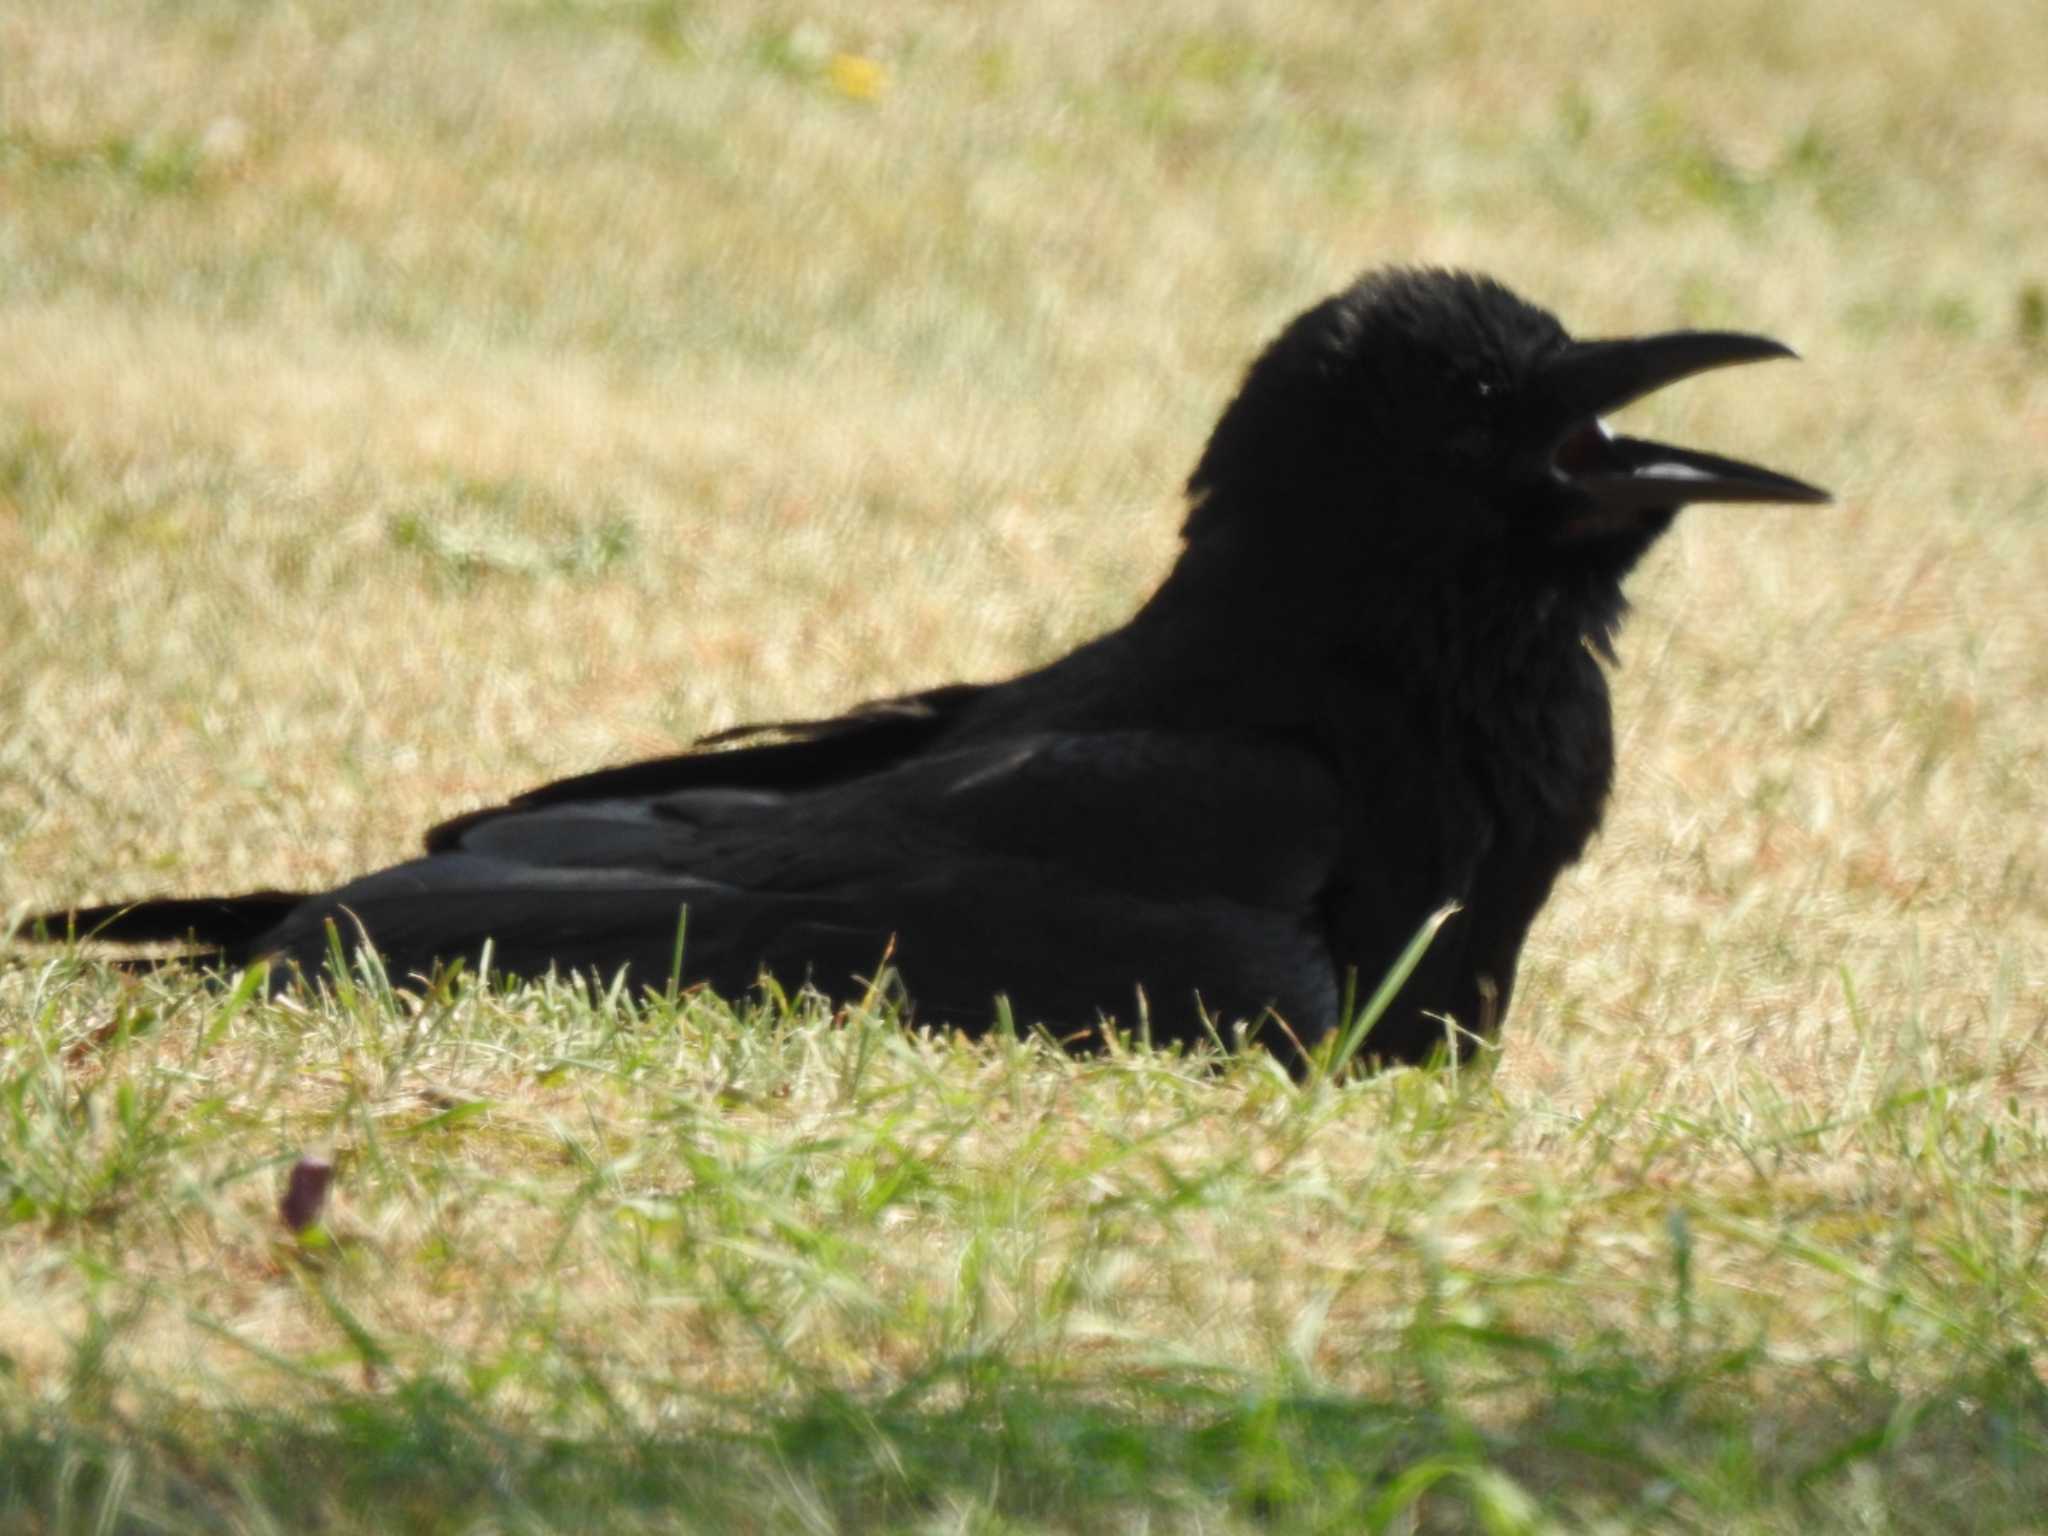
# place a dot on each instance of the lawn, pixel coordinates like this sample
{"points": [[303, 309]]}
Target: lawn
{"points": [[402, 404]]}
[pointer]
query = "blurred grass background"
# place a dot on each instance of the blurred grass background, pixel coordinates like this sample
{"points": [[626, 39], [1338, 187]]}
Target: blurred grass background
{"points": [[401, 404]]}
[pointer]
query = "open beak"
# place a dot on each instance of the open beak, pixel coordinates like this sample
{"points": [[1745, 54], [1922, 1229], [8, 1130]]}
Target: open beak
{"points": [[1625, 476]]}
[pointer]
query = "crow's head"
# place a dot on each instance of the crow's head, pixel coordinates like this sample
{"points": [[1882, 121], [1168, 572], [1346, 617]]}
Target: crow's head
{"points": [[1432, 420]]}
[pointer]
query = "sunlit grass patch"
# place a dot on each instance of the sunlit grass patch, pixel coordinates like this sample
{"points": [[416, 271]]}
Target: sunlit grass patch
{"points": [[586, 1250]]}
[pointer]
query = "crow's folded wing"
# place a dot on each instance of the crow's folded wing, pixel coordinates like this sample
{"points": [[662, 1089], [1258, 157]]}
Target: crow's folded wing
{"points": [[781, 755], [775, 757], [1067, 871]]}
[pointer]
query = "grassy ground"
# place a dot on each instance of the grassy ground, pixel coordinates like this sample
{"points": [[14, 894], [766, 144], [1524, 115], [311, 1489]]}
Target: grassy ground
{"points": [[399, 404]]}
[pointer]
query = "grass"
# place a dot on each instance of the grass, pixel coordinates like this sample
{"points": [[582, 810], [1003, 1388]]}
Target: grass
{"points": [[655, 1268], [402, 404]]}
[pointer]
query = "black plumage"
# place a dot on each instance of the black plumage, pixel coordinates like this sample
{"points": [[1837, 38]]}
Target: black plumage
{"points": [[1371, 685]]}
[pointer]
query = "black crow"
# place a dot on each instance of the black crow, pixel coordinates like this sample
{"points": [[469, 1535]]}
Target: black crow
{"points": [[1372, 685]]}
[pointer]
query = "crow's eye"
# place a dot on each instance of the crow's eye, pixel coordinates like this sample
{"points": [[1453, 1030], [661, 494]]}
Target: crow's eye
{"points": [[1470, 414], [1488, 392]]}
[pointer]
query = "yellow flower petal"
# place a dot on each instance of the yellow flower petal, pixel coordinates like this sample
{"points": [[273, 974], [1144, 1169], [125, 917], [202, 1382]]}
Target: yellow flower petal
{"points": [[855, 76]]}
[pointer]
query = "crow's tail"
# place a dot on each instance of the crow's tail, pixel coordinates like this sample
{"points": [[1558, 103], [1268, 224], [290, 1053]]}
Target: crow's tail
{"points": [[223, 924]]}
